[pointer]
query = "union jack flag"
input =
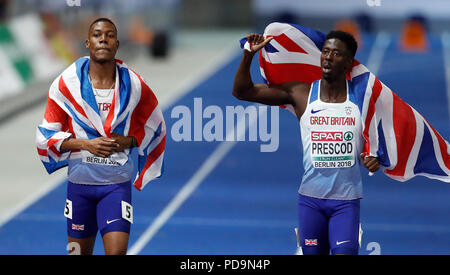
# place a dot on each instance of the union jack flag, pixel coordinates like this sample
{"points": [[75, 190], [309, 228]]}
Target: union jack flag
{"points": [[402, 139], [79, 227], [72, 111], [310, 242]]}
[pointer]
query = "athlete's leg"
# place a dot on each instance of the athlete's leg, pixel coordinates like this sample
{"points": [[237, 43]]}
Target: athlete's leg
{"points": [[114, 217], [83, 246], [344, 227], [81, 219], [115, 243], [313, 226]]}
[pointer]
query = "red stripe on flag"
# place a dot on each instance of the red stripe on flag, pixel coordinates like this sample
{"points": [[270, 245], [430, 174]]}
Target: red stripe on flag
{"points": [[65, 91], [151, 158], [54, 150], [70, 126], [376, 91], [42, 152], [285, 72], [147, 103], [110, 117], [405, 132], [52, 142], [288, 44], [54, 113]]}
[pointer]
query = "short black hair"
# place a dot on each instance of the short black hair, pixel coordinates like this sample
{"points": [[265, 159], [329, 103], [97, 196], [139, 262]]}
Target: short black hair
{"points": [[345, 37], [102, 19]]}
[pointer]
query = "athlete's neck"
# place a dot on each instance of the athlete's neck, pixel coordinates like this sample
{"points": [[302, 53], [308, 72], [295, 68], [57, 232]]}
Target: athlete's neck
{"points": [[333, 91], [103, 74]]}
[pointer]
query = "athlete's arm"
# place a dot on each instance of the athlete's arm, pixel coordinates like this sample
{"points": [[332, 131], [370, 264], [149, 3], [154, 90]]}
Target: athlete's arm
{"points": [[245, 89], [101, 146], [125, 142]]}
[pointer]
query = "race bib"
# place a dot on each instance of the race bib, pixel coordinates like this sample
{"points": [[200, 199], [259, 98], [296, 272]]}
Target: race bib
{"points": [[99, 160], [332, 149]]}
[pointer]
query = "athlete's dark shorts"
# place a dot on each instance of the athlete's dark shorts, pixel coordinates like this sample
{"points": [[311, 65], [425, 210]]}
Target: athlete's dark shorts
{"points": [[326, 225], [90, 208]]}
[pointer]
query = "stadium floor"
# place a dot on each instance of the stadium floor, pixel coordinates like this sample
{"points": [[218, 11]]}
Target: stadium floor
{"points": [[230, 198]]}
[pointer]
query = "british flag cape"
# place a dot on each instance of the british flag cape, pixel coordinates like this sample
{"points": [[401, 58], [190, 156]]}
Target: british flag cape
{"points": [[402, 139], [72, 111]]}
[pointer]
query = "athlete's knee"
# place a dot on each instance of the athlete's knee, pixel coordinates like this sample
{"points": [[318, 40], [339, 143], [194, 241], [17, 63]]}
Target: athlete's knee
{"points": [[80, 246], [116, 251], [115, 243]]}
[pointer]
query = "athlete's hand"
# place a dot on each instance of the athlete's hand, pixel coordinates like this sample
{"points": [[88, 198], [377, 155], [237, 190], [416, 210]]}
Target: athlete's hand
{"points": [[371, 163], [101, 146], [123, 141], [257, 41]]}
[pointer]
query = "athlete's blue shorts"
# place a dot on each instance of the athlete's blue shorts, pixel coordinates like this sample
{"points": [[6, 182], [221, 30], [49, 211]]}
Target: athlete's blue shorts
{"points": [[90, 208], [329, 225]]}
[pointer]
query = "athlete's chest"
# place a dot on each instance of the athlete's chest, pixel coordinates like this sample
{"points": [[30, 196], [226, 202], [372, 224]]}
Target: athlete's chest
{"points": [[319, 115], [331, 134], [104, 102]]}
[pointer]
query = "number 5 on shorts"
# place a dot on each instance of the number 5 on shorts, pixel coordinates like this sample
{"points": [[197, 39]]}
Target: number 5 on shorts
{"points": [[127, 211], [68, 209]]}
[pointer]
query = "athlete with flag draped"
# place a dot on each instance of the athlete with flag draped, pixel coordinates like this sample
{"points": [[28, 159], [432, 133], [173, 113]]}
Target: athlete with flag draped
{"points": [[332, 143], [344, 112], [97, 111]]}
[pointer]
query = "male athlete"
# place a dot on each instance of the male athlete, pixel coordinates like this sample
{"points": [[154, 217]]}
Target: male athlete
{"points": [[97, 110], [330, 123]]}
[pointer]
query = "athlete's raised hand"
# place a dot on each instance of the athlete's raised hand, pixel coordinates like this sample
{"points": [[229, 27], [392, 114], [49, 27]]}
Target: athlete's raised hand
{"points": [[257, 41], [371, 163]]}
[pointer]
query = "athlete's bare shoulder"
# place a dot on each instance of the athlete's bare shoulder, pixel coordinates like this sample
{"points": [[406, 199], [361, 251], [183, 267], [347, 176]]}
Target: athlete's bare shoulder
{"points": [[294, 87], [299, 93]]}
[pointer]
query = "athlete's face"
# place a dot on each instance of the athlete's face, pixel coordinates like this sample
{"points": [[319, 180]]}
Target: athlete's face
{"points": [[102, 42], [335, 59]]}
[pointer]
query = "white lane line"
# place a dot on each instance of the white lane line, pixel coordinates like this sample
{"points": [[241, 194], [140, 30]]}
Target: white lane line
{"points": [[208, 165], [377, 53], [46, 188], [445, 38]]}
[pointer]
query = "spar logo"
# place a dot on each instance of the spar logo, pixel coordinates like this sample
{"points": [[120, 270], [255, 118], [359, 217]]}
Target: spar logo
{"points": [[348, 136], [327, 136]]}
